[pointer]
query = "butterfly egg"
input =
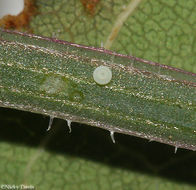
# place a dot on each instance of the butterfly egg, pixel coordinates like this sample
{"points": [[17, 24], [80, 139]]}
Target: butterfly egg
{"points": [[102, 75]]}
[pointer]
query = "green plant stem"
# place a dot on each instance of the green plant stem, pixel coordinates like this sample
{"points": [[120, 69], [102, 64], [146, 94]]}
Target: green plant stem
{"points": [[55, 78]]}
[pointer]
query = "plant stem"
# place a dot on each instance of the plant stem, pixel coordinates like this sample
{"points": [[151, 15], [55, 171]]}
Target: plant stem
{"points": [[55, 78]]}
